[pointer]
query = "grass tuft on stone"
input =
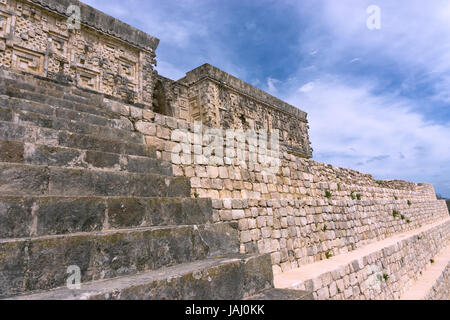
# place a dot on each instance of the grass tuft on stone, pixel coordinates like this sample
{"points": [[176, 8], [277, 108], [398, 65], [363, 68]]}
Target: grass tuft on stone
{"points": [[395, 213]]}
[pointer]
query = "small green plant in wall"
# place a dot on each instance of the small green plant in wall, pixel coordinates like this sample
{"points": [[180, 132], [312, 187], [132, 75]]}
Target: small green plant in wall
{"points": [[408, 221], [431, 260], [379, 182], [395, 213], [328, 255], [395, 198], [324, 228], [409, 203], [358, 196], [328, 194], [402, 217], [339, 186], [196, 195], [352, 195], [385, 277], [339, 290], [419, 238]]}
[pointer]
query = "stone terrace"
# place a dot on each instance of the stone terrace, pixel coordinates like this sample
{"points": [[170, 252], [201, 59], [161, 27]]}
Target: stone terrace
{"points": [[91, 175]]}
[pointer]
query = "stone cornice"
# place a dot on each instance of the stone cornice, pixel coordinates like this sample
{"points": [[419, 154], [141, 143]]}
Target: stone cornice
{"points": [[102, 22], [208, 71]]}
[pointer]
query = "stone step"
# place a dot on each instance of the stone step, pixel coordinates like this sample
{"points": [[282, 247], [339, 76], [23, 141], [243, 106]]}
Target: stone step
{"points": [[57, 102], [31, 180], [281, 294], [43, 121], [60, 138], [35, 154], [60, 112], [379, 270], [39, 216], [41, 263], [229, 277], [49, 87], [35, 90], [434, 282]]}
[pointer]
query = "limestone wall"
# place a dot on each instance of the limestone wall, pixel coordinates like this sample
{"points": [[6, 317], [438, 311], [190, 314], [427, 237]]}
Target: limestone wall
{"points": [[383, 274], [294, 178], [298, 232], [441, 288], [104, 55], [300, 213]]}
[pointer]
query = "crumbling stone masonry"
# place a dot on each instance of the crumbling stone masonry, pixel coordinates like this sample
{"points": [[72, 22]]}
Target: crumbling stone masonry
{"points": [[101, 169]]}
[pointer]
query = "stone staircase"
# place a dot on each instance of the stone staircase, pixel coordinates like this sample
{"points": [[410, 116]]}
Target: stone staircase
{"points": [[409, 265], [79, 187]]}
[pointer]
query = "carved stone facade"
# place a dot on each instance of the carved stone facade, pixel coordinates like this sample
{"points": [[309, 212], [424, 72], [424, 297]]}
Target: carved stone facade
{"points": [[219, 100], [108, 56], [35, 38]]}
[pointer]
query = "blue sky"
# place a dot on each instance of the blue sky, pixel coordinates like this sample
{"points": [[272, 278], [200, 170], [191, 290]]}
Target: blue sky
{"points": [[378, 101]]}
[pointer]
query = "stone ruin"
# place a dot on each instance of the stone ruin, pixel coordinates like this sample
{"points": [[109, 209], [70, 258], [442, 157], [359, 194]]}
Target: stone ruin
{"points": [[107, 173]]}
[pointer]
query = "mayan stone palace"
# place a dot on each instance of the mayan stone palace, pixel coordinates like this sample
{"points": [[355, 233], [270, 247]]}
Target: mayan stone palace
{"points": [[119, 183]]}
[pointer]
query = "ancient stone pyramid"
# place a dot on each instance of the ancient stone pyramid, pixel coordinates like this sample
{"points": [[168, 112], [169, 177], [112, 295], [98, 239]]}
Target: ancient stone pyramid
{"points": [[90, 184]]}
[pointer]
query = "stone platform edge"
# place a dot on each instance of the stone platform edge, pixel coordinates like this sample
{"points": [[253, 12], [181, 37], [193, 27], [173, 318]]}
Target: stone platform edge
{"points": [[101, 22]]}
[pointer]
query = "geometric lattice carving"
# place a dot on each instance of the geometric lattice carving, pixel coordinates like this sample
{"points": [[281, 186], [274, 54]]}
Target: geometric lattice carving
{"points": [[28, 61], [34, 38], [88, 79], [58, 46], [6, 24], [127, 69], [196, 113]]}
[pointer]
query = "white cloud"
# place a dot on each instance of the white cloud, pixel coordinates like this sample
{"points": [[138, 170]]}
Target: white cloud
{"points": [[307, 87], [271, 88], [355, 124], [391, 141]]}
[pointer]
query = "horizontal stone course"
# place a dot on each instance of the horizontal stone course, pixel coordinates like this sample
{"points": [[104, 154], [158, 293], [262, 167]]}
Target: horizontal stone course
{"points": [[35, 154], [39, 216], [35, 119], [301, 232], [45, 98], [434, 282], [62, 138], [223, 278], [441, 288], [41, 263], [20, 179], [383, 270]]}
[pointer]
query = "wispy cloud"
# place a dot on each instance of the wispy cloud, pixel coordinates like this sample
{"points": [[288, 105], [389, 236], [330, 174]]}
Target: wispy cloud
{"points": [[350, 126]]}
